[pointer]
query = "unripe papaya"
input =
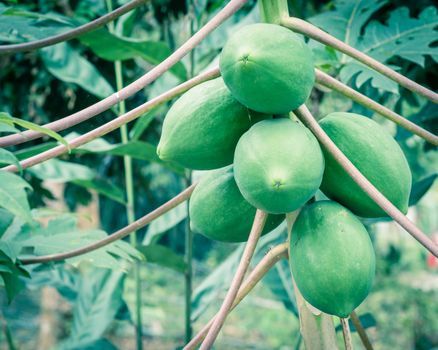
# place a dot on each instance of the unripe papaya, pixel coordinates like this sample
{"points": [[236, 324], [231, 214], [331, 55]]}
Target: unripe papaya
{"points": [[378, 157], [278, 165], [219, 211], [332, 258], [268, 68], [202, 128]]}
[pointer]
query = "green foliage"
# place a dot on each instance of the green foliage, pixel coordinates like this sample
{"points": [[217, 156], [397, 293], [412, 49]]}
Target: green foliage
{"points": [[112, 48], [66, 64], [163, 256], [13, 195], [402, 35]]}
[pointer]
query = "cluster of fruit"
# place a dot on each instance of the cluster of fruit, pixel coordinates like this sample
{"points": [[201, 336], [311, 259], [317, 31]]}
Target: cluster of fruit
{"points": [[239, 126]]}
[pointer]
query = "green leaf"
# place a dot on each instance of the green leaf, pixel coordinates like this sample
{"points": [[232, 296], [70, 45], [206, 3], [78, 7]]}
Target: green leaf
{"points": [[11, 274], [112, 48], [66, 64], [144, 121], [163, 256], [62, 235], [420, 188], [18, 25], [33, 150], [7, 157], [6, 118], [13, 195], [104, 188], [345, 22], [164, 223], [214, 286], [60, 171], [7, 129], [98, 301]]}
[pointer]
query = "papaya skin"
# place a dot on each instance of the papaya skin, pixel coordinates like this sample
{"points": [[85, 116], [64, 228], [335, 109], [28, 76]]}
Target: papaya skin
{"points": [[332, 258], [219, 211], [278, 165], [202, 128], [268, 68], [376, 154]]}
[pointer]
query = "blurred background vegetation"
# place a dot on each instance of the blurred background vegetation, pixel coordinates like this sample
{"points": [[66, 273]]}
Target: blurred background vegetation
{"points": [[85, 304]]}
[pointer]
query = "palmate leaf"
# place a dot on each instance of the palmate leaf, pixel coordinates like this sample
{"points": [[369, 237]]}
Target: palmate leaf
{"points": [[62, 234], [11, 273], [402, 35], [7, 157], [66, 64], [112, 48]]}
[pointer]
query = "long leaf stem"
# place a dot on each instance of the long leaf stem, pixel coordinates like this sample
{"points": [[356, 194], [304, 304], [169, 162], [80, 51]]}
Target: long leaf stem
{"points": [[117, 122], [137, 85], [308, 29], [306, 117], [73, 33], [256, 230]]}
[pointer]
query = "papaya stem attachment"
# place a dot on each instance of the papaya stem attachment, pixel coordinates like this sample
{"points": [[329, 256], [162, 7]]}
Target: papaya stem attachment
{"points": [[346, 333], [276, 254], [307, 118], [63, 123], [361, 331], [122, 233], [334, 84], [273, 11], [256, 230], [303, 27], [117, 122]]}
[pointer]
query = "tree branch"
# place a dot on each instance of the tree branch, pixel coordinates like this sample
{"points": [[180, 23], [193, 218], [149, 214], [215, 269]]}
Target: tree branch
{"points": [[256, 230], [303, 27], [136, 225], [346, 333], [306, 117], [132, 88], [361, 331], [71, 34], [115, 123], [262, 268], [332, 83]]}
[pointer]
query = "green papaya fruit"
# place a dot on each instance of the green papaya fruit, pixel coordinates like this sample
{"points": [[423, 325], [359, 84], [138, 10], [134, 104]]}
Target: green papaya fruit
{"points": [[202, 128], [219, 211], [268, 68], [278, 165], [331, 258], [376, 154]]}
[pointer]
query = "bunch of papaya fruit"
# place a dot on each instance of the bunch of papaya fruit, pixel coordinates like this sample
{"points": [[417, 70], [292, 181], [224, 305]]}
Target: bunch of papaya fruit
{"points": [[239, 127]]}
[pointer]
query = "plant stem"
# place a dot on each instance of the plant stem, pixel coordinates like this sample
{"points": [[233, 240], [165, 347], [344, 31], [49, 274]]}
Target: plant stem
{"points": [[73, 33], [137, 85], [316, 327], [346, 333], [130, 203], [303, 27], [256, 230], [262, 268], [332, 83], [273, 11], [306, 117], [361, 331], [188, 251], [115, 123]]}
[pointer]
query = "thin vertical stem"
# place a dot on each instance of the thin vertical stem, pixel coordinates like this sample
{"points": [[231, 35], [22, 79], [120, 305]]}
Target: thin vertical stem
{"points": [[361, 331], [346, 333], [256, 230], [129, 185], [188, 253]]}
